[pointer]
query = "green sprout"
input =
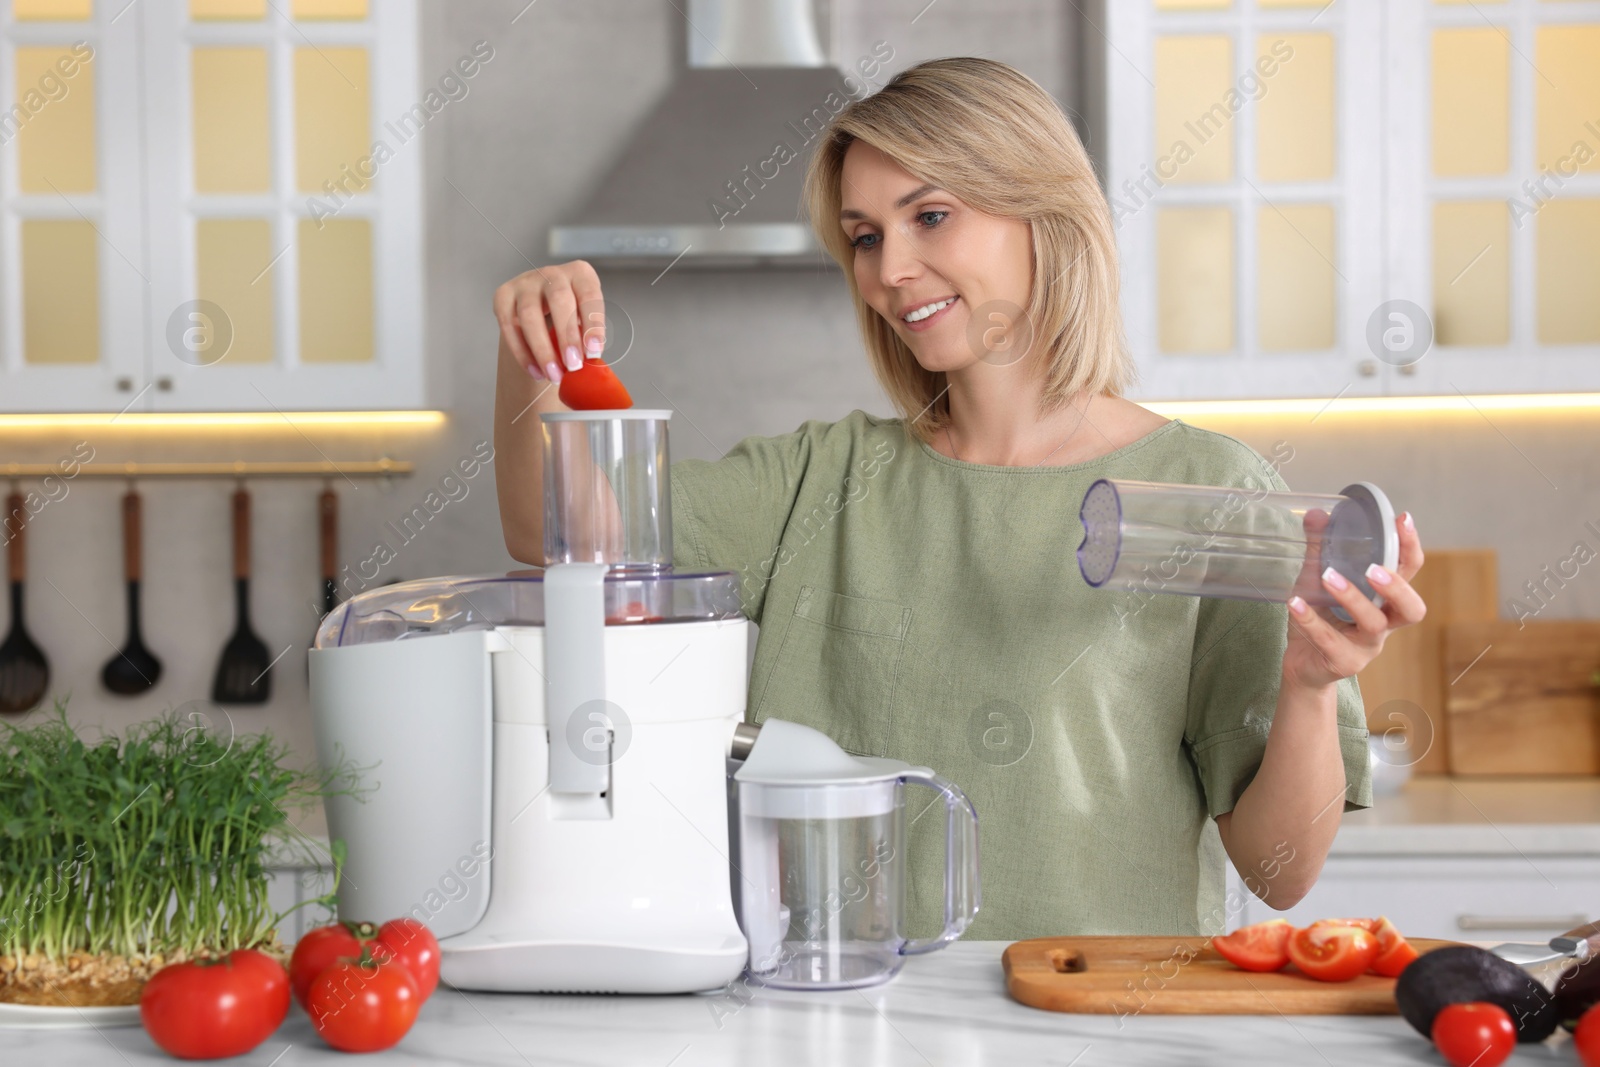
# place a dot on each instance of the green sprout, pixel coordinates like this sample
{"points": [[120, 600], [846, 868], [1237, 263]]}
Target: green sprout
{"points": [[157, 842]]}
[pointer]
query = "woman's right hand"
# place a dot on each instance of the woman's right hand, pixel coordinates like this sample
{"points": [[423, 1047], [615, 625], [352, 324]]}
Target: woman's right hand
{"points": [[552, 317]]}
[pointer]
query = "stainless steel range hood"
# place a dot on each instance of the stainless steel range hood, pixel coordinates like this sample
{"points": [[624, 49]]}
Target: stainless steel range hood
{"points": [[712, 178]]}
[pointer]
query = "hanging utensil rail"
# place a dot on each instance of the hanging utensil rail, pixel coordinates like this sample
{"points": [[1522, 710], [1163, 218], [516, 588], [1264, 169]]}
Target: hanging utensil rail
{"points": [[376, 468]]}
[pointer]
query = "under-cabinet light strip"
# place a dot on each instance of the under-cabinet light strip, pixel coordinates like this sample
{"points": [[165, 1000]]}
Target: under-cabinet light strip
{"points": [[1351, 405], [140, 420]]}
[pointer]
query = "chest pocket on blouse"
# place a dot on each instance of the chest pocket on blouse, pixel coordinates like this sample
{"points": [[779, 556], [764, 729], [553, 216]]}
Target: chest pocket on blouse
{"points": [[837, 666]]}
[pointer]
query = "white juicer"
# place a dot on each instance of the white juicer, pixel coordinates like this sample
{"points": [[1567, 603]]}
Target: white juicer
{"points": [[545, 756]]}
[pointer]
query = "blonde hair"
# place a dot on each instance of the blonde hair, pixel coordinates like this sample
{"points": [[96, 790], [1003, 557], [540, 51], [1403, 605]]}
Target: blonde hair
{"points": [[995, 139]]}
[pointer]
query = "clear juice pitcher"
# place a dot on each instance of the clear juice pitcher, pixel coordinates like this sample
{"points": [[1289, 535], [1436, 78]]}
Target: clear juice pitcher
{"points": [[1220, 541], [821, 861]]}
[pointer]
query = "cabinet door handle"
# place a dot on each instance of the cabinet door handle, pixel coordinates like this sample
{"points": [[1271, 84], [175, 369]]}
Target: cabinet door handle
{"points": [[1556, 923]]}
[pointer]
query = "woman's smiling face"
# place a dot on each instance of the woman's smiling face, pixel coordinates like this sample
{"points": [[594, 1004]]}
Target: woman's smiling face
{"points": [[917, 246]]}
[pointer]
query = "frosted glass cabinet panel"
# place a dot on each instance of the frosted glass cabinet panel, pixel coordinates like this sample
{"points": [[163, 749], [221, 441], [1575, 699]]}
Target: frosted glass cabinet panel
{"points": [[1246, 194], [1287, 176]]}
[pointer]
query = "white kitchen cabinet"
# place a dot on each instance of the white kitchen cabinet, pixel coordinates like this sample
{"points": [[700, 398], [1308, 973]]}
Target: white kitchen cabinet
{"points": [[1460, 898], [1409, 173], [199, 261]]}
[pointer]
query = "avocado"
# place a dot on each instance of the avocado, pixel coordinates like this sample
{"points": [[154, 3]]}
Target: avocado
{"points": [[1461, 973], [1577, 992]]}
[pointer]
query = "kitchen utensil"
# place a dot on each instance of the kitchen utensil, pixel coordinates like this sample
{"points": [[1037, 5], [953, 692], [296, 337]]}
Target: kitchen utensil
{"points": [[1404, 689], [134, 669], [1126, 976], [24, 671], [1222, 541], [554, 747], [1576, 945], [822, 861], [244, 672], [1520, 699], [328, 538], [328, 554]]}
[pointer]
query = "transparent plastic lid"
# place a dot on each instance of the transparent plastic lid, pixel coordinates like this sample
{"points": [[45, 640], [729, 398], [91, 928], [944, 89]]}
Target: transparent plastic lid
{"points": [[450, 605]]}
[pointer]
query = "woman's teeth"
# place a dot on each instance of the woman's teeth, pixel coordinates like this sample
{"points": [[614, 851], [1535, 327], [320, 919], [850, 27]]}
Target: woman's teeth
{"points": [[928, 309]]}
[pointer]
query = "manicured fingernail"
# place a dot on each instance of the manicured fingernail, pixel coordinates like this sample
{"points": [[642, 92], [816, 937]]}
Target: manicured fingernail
{"points": [[594, 343], [574, 361], [1410, 525], [1297, 605], [533, 372], [1335, 579], [553, 371], [1377, 574]]}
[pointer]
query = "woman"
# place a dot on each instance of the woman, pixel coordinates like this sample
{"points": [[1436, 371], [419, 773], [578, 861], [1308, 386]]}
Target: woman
{"points": [[914, 578]]}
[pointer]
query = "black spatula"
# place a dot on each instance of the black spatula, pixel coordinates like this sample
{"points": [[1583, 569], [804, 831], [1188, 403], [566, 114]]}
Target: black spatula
{"points": [[133, 670], [24, 672], [244, 672]]}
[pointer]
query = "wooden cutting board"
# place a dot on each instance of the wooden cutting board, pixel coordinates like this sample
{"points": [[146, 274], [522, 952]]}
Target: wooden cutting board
{"points": [[1519, 697], [1405, 686], [1177, 976]]}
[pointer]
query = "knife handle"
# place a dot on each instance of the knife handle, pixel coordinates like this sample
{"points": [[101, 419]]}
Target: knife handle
{"points": [[1588, 937]]}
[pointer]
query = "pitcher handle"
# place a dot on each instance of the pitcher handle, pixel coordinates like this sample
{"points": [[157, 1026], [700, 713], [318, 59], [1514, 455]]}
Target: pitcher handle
{"points": [[962, 893]]}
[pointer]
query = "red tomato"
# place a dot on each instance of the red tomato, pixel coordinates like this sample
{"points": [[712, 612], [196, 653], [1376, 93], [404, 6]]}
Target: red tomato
{"points": [[363, 1005], [1333, 951], [1474, 1034], [208, 1009], [1394, 951], [322, 948], [1587, 1037], [414, 945], [1261, 947], [593, 387], [632, 611]]}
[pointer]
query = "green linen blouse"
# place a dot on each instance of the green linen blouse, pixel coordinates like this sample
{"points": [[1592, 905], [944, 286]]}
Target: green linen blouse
{"points": [[928, 609]]}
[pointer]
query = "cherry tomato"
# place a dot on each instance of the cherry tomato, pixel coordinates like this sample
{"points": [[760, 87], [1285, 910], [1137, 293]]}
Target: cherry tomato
{"points": [[1586, 1038], [363, 1005], [415, 947], [208, 1009], [322, 948], [593, 387], [1333, 951], [1474, 1034], [1261, 947]]}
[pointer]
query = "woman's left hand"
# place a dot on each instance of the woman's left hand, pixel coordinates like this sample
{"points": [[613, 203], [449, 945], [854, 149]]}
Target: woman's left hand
{"points": [[1322, 649]]}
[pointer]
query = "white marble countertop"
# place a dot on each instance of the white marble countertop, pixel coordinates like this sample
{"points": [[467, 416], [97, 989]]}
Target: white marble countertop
{"points": [[1438, 815], [947, 1009], [1431, 815]]}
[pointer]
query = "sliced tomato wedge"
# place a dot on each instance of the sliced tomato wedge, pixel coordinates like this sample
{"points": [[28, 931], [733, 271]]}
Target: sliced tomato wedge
{"points": [[1394, 951], [1333, 950], [1261, 947]]}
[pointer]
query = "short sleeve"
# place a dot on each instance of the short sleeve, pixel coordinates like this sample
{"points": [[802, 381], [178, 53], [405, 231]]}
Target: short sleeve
{"points": [[729, 514], [1234, 676]]}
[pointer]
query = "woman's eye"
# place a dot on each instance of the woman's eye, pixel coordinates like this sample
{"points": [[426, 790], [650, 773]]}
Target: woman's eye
{"points": [[921, 216]]}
